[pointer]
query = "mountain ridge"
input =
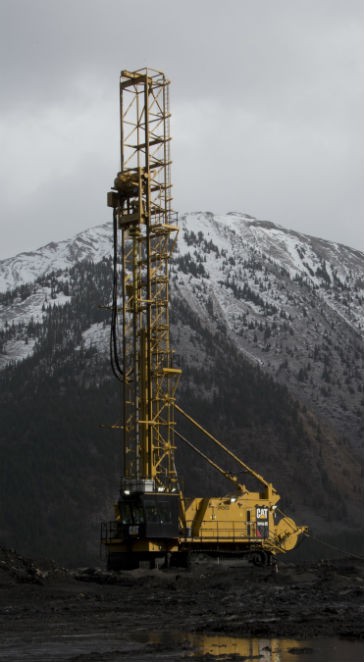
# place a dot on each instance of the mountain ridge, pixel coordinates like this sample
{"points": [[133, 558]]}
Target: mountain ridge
{"points": [[93, 243]]}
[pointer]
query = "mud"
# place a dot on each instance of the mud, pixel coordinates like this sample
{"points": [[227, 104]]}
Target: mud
{"points": [[50, 613]]}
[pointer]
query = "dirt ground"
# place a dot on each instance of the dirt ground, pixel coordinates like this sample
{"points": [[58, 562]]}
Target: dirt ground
{"points": [[89, 614]]}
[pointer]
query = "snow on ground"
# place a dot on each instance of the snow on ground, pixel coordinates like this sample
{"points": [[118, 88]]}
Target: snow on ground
{"points": [[16, 350], [23, 312], [97, 336], [30, 309], [321, 264], [93, 244]]}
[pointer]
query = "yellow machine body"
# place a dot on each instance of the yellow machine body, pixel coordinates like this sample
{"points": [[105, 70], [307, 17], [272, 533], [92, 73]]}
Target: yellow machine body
{"points": [[171, 527], [152, 516], [234, 523], [230, 519]]}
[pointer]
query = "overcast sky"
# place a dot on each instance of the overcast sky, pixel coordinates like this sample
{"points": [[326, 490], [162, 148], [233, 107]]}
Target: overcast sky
{"points": [[267, 101]]}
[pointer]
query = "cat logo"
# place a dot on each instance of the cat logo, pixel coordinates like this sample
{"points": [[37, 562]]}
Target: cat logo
{"points": [[262, 528]]}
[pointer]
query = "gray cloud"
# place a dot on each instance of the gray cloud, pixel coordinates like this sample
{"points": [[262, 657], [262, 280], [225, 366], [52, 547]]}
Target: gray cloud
{"points": [[267, 102]]}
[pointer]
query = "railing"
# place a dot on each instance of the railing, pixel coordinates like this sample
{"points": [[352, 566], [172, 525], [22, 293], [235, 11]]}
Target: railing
{"points": [[228, 531], [110, 531]]}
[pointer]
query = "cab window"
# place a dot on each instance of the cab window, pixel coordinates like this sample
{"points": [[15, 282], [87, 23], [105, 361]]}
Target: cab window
{"points": [[125, 513]]}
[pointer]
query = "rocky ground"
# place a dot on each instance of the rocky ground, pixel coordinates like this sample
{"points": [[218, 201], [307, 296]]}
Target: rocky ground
{"points": [[84, 615]]}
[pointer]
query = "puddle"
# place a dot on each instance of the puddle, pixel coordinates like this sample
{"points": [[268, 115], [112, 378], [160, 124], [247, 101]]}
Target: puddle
{"points": [[175, 646], [264, 650]]}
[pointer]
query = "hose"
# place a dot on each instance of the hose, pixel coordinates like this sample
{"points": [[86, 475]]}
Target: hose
{"points": [[114, 357]]}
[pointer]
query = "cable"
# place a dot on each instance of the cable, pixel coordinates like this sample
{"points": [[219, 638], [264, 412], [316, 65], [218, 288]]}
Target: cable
{"points": [[323, 542], [114, 358], [229, 476], [337, 549]]}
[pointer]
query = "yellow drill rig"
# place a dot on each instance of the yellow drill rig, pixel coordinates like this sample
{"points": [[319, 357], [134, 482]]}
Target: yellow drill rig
{"points": [[153, 519]]}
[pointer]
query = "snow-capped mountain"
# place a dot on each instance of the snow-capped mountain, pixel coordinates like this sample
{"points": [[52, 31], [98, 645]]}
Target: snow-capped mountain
{"points": [[21, 276], [291, 303], [92, 244]]}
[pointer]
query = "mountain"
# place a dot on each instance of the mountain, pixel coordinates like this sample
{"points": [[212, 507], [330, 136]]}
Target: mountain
{"points": [[92, 244], [267, 326], [291, 303]]}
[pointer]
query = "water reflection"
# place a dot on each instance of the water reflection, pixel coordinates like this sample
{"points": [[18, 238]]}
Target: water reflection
{"points": [[264, 650], [144, 646]]}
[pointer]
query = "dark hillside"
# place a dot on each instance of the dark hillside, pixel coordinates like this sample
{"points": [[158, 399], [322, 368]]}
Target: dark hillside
{"points": [[315, 472], [60, 469]]}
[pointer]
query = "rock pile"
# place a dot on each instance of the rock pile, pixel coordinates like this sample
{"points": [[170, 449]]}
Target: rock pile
{"points": [[15, 569]]}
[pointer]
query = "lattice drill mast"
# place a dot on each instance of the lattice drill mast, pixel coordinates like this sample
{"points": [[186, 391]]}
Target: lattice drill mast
{"points": [[145, 232]]}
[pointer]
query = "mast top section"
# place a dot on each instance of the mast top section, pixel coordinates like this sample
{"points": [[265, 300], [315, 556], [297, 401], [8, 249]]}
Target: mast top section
{"points": [[143, 73]]}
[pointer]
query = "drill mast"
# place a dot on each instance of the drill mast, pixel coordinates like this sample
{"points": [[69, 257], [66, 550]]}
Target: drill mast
{"points": [[144, 236]]}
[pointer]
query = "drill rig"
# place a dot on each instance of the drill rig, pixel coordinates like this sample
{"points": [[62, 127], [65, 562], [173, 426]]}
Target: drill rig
{"points": [[153, 518]]}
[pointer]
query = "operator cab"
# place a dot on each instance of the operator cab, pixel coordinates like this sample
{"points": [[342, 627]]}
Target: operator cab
{"points": [[152, 515]]}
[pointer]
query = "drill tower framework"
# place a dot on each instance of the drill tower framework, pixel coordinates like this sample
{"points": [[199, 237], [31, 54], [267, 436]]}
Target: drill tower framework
{"points": [[145, 232]]}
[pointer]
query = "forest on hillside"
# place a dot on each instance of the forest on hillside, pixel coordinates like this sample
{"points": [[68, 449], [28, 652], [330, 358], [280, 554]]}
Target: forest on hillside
{"points": [[61, 462]]}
